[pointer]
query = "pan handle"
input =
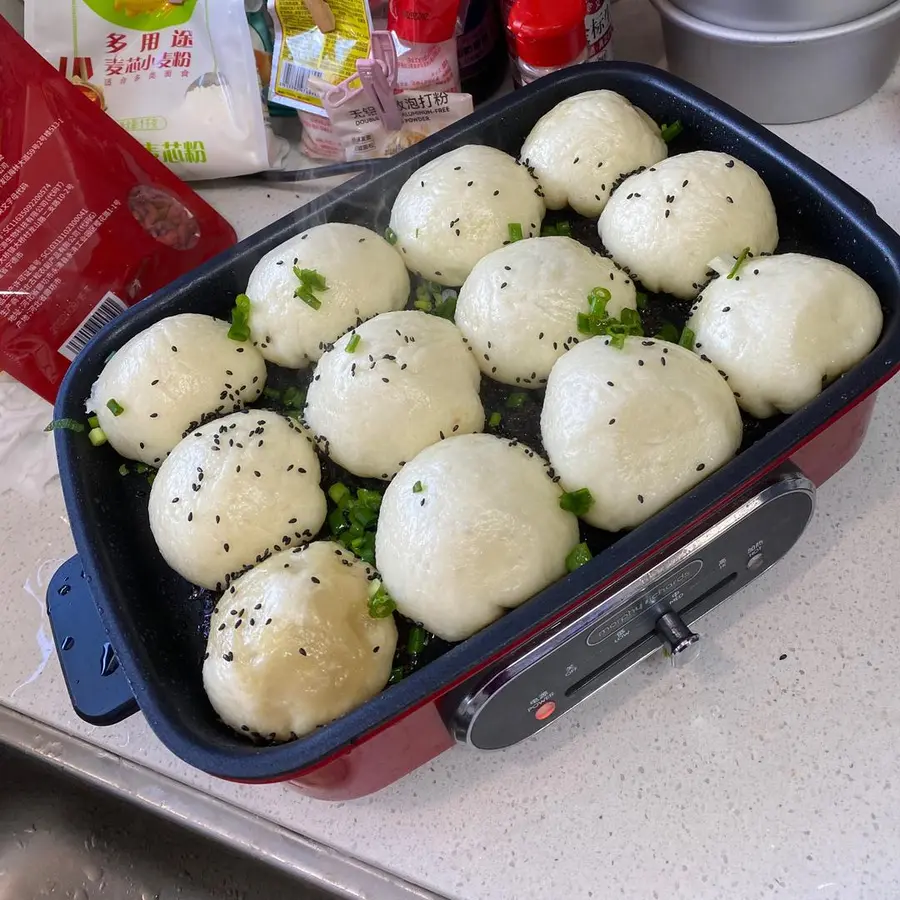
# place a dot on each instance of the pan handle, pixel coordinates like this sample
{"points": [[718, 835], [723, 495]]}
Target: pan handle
{"points": [[97, 686]]}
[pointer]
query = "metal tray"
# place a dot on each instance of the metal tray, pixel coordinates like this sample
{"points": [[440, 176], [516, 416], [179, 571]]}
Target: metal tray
{"points": [[155, 620]]}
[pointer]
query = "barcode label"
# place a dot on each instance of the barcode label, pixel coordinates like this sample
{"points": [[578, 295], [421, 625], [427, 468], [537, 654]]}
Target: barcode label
{"points": [[296, 78], [102, 314]]}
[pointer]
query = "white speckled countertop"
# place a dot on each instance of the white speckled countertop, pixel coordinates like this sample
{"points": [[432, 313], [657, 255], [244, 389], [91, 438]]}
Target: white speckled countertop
{"points": [[743, 776]]}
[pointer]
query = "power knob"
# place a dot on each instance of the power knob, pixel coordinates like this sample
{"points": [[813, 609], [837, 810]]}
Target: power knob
{"points": [[682, 644]]}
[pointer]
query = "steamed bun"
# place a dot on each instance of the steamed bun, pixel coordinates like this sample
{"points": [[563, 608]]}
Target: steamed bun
{"points": [[519, 307], [292, 645], [168, 378], [783, 327], [665, 225], [579, 149], [409, 380], [364, 277], [637, 426], [232, 492], [469, 528], [458, 208]]}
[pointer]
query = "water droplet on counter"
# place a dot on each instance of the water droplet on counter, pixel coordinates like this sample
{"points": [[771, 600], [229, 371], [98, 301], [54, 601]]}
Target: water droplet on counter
{"points": [[149, 895], [68, 643], [93, 872], [109, 661], [80, 894]]}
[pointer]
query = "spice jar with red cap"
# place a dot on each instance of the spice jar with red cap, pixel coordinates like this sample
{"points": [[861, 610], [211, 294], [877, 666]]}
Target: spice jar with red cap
{"points": [[547, 35]]}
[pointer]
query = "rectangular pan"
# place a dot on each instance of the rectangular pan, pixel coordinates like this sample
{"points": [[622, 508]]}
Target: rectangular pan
{"points": [[153, 617]]}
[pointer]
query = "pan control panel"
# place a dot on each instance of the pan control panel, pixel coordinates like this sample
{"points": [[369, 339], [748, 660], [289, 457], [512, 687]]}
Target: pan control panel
{"points": [[561, 667]]}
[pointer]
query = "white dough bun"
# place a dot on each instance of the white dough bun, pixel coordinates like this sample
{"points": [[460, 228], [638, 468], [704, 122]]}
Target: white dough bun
{"points": [[292, 645], [234, 491], [170, 377], [409, 380], [364, 276], [519, 307], [468, 529], [636, 426], [458, 208], [585, 144], [666, 225], [784, 327]]}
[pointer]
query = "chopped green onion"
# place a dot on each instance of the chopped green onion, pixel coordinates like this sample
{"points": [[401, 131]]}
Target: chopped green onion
{"points": [[294, 397], [578, 556], [390, 235], [548, 230], [381, 603], [670, 132], [598, 298], [337, 522], [598, 321], [668, 332], [338, 492], [142, 468], [65, 425], [418, 487], [577, 502], [123, 469], [398, 673], [516, 400], [115, 407], [423, 305], [352, 344], [515, 231], [738, 263], [308, 298], [312, 279], [564, 228], [416, 641], [240, 319], [446, 309], [641, 299], [369, 499], [271, 394], [151, 477], [97, 436], [93, 422], [687, 339], [494, 420], [617, 341]]}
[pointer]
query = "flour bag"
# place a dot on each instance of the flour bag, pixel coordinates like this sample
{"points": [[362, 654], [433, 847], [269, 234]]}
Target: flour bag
{"points": [[179, 75]]}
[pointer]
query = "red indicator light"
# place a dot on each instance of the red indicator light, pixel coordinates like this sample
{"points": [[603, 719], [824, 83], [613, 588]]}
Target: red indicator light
{"points": [[545, 710]]}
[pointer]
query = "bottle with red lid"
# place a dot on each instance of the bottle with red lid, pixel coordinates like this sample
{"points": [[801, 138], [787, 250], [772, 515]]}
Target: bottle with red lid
{"points": [[544, 36]]}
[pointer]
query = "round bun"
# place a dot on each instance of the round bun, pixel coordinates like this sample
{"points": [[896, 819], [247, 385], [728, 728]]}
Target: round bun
{"points": [[519, 307], [784, 327], [471, 527], [170, 377], [666, 225], [232, 492], [458, 208], [409, 381], [637, 426], [292, 645], [579, 149], [364, 276]]}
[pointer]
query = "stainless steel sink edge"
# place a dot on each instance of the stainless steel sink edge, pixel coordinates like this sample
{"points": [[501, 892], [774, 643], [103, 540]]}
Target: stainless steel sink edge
{"points": [[318, 864]]}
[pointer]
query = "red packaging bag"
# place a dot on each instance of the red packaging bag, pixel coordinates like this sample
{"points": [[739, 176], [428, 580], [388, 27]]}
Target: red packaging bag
{"points": [[90, 222]]}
